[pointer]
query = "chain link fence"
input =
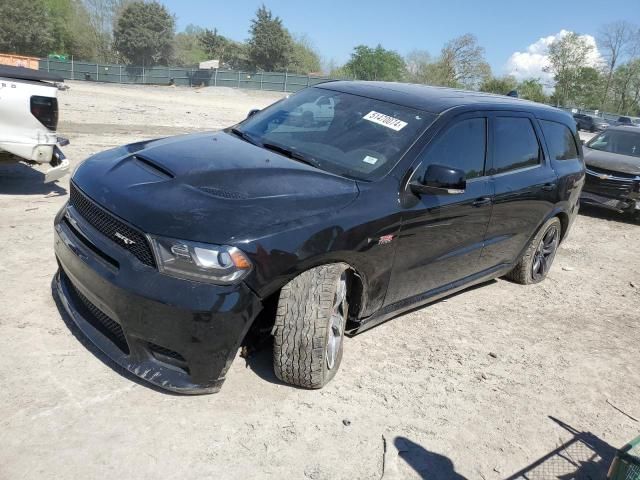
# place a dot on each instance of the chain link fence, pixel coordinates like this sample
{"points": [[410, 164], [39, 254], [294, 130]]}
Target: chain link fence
{"points": [[192, 77]]}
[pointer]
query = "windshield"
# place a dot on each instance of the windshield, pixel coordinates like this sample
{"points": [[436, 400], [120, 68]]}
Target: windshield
{"points": [[338, 132], [617, 141]]}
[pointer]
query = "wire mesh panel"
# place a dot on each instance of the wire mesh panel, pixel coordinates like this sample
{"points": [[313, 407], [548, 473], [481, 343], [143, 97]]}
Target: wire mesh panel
{"points": [[192, 77]]}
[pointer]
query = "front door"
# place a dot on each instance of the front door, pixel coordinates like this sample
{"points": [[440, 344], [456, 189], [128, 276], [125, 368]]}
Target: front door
{"points": [[441, 236]]}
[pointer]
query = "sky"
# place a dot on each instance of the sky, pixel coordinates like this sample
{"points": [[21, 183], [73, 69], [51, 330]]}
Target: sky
{"points": [[515, 34]]}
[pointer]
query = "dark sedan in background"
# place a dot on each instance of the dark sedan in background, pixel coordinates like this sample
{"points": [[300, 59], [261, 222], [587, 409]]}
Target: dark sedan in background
{"points": [[613, 170], [590, 123]]}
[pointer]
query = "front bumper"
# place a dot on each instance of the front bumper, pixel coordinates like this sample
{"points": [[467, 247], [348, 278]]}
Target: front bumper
{"points": [[612, 191], [178, 335]]}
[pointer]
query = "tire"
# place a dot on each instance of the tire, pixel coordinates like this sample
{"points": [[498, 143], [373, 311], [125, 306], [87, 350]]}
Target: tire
{"points": [[536, 262], [308, 335]]}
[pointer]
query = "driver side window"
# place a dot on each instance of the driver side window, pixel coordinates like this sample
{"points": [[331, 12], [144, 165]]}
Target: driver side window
{"points": [[461, 146]]}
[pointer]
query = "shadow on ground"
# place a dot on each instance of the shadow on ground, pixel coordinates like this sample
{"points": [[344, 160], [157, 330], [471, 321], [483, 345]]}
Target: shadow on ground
{"points": [[583, 457], [425, 463], [21, 179]]}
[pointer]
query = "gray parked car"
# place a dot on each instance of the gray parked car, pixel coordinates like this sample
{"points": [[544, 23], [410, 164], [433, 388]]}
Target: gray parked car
{"points": [[612, 160]]}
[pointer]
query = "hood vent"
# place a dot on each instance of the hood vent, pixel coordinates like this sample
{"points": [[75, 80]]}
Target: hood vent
{"points": [[154, 167], [222, 193]]}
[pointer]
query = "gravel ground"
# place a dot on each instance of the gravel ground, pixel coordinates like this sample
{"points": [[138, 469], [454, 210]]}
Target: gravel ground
{"points": [[466, 388]]}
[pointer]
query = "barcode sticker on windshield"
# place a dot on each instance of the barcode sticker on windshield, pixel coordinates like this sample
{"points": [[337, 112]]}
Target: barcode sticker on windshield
{"points": [[385, 120], [370, 160]]}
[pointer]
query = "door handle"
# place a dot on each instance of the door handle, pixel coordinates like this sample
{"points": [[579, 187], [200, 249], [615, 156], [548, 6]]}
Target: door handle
{"points": [[481, 202], [548, 187]]}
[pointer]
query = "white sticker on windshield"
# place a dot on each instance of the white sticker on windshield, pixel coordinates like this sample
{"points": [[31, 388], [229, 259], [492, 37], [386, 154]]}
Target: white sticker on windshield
{"points": [[385, 120], [371, 160]]}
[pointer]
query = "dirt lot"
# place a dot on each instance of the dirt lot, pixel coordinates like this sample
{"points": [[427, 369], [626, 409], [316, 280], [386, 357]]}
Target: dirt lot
{"points": [[468, 385]]}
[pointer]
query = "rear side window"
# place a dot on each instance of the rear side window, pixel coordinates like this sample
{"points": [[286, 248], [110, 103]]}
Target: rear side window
{"points": [[560, 141], [515, 144], [462, 146]]}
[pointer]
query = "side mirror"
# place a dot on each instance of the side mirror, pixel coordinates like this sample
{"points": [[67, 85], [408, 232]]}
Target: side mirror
{"points": [[252, 112], [440, 180]]}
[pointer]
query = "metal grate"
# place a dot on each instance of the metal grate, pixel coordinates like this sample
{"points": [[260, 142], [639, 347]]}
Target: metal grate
{"points": [[102, 321], [113, 228]]}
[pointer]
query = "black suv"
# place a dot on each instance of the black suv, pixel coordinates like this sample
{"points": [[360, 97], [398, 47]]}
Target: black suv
{"points": [[589, 123], [311, 225]]}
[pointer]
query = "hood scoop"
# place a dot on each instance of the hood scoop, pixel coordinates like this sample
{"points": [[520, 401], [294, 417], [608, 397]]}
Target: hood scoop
{"points": [[153, 167]]}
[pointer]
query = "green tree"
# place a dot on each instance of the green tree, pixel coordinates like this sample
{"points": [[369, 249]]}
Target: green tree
{"points": [[588, 88], [230, 53], [270, 45], [419, 65], [461, 64], [144, 34], [102, 15], [532, 89], [304, 57], [567, 55], [368, 63], [188, 50], [71, 28], [617, 41], [26, 28], [499, 85], [626, 88]]}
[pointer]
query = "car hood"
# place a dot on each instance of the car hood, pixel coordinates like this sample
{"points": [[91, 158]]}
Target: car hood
{"points": [[209, 187], [612, 161]]}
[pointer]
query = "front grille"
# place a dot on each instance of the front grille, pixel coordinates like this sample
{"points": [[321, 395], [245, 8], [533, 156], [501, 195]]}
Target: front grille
{"points": [[613, 173], [109, 225], [100, 320], [609, 187]]}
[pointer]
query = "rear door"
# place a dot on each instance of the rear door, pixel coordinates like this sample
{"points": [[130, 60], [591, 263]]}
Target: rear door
{"points": [[524, 184], [441, 236]]}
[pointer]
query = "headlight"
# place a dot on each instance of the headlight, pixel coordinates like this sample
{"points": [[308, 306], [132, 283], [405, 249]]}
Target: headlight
{"points": [[201, 262]]}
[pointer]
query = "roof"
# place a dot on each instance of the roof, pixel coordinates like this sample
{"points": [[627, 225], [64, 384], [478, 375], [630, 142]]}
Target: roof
{"points": [[22, 73], [431, 99], [625, 128]]}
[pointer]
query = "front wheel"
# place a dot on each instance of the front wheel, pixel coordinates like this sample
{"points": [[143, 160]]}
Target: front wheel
{"points": [[538, 258], [309, 327]]}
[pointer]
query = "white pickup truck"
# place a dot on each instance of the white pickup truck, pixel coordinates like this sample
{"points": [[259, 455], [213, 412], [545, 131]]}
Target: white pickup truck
{"points": [[29, 118]]}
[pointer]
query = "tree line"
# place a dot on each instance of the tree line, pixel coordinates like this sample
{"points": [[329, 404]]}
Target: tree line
{"points": [[144, 33]]}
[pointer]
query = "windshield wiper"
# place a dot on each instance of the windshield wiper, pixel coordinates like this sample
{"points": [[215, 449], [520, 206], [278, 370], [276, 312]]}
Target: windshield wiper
{"points": [[288, 152], [245, 136]]}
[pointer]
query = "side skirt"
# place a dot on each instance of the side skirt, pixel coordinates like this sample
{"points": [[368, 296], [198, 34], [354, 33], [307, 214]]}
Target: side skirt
{"points": [[398, 308]]}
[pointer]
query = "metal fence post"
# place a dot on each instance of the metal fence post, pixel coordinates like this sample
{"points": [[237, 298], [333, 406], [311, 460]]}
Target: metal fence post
{"points": [[308, 80], [215, 77], [143, 73], [72, 76], [97, 72], [48, 63], [284, 88], [120, 74], [261, 78], [238, 79]]}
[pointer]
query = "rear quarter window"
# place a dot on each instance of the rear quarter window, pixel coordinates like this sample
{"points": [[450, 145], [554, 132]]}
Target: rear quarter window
{"points": [[560, 141]]}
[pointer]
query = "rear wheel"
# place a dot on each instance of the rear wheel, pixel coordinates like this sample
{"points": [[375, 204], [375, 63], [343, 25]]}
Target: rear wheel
{"points": [[538, 258], [309, 326]]}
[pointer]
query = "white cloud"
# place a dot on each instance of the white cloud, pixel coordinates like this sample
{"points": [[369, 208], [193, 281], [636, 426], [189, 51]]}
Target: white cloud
{"points": [[533, 61]]}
